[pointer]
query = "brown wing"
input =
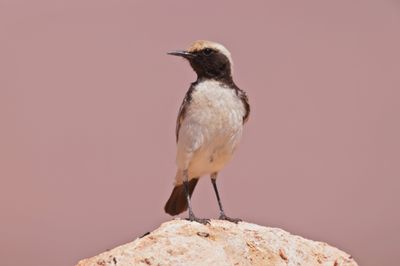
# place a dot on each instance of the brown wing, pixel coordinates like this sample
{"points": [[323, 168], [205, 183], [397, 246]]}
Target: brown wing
{"points": [[182, 110], [245, 101], [243, 97]]}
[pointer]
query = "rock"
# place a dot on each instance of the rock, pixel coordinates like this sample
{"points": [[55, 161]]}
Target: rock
{"points": [[180, 242]]}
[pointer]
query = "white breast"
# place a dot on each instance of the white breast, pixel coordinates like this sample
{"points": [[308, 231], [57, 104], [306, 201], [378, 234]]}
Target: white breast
{"points": [[211, 129]]}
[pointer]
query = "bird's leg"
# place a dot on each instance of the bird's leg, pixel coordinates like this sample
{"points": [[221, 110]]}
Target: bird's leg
{"points": [[222, 215], [192, 217]]}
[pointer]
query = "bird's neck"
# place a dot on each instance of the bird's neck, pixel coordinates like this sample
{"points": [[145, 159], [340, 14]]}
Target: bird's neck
{"points": [[225, 79]]}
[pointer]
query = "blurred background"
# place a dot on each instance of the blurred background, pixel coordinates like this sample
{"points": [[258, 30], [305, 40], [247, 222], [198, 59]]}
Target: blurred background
{"points": [[89, 98]]}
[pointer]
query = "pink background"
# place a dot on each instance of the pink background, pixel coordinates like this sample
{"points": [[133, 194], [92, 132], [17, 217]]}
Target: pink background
{"points": [[88, 102]]}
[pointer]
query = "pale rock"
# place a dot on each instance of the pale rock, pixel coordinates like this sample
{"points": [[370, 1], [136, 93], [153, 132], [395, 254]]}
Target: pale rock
{"points": [[180, 242]]}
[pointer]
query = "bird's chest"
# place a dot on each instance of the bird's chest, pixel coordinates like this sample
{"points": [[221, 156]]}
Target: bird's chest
{"points": [[212, 127], [217, 108]]}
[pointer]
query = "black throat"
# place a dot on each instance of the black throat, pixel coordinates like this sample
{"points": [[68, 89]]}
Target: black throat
{"points": [[216, 66], [222, 74]]}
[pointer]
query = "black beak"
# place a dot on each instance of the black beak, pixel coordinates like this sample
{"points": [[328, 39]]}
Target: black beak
{"points": [[184, 54]]}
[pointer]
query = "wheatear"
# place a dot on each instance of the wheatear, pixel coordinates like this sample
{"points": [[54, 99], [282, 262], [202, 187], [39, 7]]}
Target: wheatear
{"points": [[209, 125]]}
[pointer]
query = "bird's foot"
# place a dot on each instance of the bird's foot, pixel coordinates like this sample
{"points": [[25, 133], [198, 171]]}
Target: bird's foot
{"points": [[193, 218], [229, 219]]}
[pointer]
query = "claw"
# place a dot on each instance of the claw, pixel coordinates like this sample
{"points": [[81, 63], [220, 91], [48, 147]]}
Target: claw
{"points": [[193, 218], [232, 220]]}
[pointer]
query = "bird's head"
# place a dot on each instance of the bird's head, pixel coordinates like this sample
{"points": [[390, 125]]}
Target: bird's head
{"points": [[208, 59]]}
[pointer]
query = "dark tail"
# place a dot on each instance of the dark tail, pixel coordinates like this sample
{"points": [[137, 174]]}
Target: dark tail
{"points": [[177, 202]]}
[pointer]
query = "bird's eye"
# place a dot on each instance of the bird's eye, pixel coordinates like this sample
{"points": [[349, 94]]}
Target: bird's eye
{"points": [[208, 51]]}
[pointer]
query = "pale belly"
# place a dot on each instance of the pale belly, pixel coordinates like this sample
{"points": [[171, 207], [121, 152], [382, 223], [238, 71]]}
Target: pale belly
{"points": [[213, 155], [210, 131]]}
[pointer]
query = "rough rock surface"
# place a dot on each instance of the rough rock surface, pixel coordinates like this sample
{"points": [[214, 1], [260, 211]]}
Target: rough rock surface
{"points": [[180, 242]]}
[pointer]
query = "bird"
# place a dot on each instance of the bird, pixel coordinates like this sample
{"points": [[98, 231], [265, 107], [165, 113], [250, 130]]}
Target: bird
{"points": [[209, 124]]}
